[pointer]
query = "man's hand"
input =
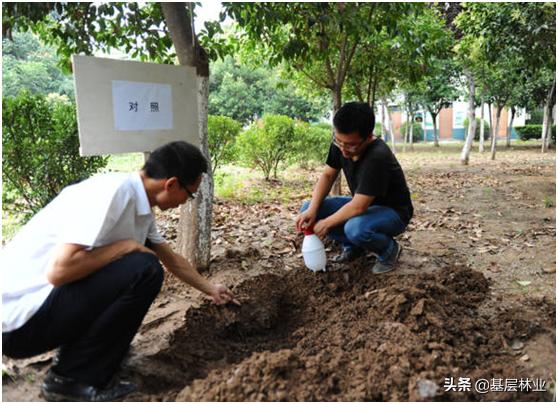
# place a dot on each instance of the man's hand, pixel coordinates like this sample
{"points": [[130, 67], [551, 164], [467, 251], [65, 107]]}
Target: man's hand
{"points": [[222, 295], [305, 219], [321, 228]]}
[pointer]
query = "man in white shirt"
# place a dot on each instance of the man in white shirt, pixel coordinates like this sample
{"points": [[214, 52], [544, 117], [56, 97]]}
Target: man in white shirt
{"points": [[80, 277]]}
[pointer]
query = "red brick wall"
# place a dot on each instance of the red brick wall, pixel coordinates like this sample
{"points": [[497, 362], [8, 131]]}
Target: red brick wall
{"points": [[446, 123], [396, 121]]}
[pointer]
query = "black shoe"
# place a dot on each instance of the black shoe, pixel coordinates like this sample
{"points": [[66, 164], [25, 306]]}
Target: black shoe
{"points": [[348, 254], [389, 264], [59, 388]]}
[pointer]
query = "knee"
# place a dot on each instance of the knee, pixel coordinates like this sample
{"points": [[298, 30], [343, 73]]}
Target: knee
{"points": [[354, 230], [148, 269], [304, 206], [155, 274]]}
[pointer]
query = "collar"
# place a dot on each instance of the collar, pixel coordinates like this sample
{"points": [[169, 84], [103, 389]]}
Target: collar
{"points": [[358, 157], [142, 205]]}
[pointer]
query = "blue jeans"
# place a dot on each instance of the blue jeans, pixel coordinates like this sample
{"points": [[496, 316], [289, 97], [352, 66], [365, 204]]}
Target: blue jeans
{"points": [[373, 230]]}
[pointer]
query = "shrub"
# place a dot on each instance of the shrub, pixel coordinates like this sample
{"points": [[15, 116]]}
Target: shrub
{"points": [[477, 130], [40, 151], [534, 132], [418, 132], [222, 133], [324, 125], [529, 132], [268, 143], [311, 143], [537, 116]]}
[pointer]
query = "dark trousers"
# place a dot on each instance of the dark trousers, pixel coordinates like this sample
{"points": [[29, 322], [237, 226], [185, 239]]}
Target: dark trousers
{"points": [[92, 320]]}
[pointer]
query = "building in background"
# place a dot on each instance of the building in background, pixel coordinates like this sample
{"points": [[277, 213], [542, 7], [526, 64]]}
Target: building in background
{"points": [[450, 121]]}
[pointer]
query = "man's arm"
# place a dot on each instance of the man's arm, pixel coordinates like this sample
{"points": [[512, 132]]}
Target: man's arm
{"points": [[358, 205], [183, 270], [321, 190], [72, 262]]}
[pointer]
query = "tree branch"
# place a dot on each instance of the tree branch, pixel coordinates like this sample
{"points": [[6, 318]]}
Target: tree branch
{"points": [[340, 67], [315, 79], [348, 62]]}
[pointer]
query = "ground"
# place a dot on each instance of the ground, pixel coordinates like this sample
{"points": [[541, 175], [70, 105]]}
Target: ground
{"points": [[473, 297]]}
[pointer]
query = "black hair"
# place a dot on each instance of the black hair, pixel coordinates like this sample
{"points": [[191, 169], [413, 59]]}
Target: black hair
{"points": [[176, 159], [355, 117]]}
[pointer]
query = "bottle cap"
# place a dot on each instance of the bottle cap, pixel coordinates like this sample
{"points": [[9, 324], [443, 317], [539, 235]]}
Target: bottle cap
{"points": [[309, 230]]}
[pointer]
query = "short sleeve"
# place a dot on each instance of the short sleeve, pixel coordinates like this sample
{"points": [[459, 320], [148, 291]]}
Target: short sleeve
{"points": [[334, 157], [153, 234], [94, 214]]}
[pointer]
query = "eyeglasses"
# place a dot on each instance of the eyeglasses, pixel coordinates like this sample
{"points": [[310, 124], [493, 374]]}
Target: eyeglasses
{"points": [[350, 148]]}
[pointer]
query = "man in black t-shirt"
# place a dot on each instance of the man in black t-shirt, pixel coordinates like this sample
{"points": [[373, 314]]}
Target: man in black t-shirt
{"points": [[380, 207]]}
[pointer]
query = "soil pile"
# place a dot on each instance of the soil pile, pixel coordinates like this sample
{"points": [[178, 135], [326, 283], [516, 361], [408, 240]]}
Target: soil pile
{"points": [[348, 336]]}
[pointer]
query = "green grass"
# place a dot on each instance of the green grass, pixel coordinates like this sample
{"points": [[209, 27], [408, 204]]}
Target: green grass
{"points": [[126, 162], [488, 192], [248, 186], [10, 225]]}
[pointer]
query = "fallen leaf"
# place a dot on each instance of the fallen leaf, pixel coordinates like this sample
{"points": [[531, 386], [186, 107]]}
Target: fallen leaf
{"points": [[517, 345], [524, 283]]}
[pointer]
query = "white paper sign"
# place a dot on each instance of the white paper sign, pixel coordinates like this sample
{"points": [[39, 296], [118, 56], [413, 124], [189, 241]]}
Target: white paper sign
{"points": [[107, 91], [141, 106]]}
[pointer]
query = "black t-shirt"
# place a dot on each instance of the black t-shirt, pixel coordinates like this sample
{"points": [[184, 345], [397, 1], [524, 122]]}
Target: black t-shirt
{"points": [[376, 173]]}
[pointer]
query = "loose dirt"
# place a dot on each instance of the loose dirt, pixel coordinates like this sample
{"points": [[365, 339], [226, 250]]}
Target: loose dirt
{"points": [[351, 336], [473, 297]]}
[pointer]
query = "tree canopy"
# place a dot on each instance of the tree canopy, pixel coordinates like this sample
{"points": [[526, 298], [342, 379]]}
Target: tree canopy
{"points": [[29, 65], [245, 92]]}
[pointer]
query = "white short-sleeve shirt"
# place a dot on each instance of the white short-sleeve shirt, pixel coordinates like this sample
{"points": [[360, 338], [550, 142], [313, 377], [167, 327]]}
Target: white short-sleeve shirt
{"points": [[94, 213]]}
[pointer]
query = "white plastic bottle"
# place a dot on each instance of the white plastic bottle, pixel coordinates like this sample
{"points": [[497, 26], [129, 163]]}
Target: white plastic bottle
{"points": [[313, 251]]}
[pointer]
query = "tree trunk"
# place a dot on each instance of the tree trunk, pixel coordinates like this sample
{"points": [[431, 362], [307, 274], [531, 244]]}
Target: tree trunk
{"points": [[510, 128], [436, 144], [411, 130], [551, 123], [384, 131], [481, 136], [425, 131], [547, 121], [406, 135], [194, 226], [472, 123], [336, 95], [490, 123], [390, 125], [407, 123], [495, 133]]}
